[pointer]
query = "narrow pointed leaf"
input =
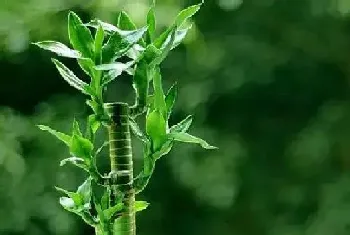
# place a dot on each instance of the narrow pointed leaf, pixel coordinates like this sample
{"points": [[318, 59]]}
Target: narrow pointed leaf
{"points": [[114, 70], [80, 36], [100, 213], [112, 211], [118, 44], [140, 205], [156, 128], [150, 103], [107, 27], [76, 128], [61, 136], [164, 150], [187, 138], [186, 13], [165, 48], [80, 162], [114, 66], [170, 99], [151, 22], [85, 190], [151, 53], [81, 147], [87, 65], [182, 126], [70, 77], [159, 98], [92, 126], [99, 150], [180, 36], [180, 19], [141, 83], [159, 41], [59, 48], [125, 22], [137, 131], [105, 200], [99, 37]]}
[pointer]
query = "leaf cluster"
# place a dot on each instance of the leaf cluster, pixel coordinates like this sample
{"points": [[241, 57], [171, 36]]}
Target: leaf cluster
{"points": [[105, 51]]}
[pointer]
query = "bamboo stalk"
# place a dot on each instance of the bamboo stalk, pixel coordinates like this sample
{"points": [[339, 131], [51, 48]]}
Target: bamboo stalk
{"points": [[120, 154]]}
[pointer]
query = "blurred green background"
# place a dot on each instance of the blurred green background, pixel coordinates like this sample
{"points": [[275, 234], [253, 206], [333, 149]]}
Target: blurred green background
{"points": [[267, 82]]}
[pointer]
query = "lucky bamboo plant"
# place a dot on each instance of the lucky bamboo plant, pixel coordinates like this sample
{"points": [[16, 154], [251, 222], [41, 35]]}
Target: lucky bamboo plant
{"points": [[105, 51]]}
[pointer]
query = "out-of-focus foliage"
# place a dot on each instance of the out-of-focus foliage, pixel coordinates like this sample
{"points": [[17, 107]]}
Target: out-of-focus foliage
{"points": [[268, 82]]}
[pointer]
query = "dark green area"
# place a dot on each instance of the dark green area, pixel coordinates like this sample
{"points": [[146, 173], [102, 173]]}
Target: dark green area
{"points": [[266, 81]]}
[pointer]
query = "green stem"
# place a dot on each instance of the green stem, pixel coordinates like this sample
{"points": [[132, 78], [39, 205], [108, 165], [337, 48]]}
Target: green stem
{"points": [[122, 166]]}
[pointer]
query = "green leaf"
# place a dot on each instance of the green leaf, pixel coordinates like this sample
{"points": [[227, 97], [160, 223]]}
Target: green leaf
{"points": [[118, 44], [164, 150], [61, 136], [165, 48], [141, 83], [70, 77], [81, 147], [120, 67], [156, 128], [159, 99], [76, 128], [125, 22], [84, 190], [151, 22], [97, 108], [80, 36], [158, 42], [182, 126], [151, 53], [76, 197], [59, 48], [110, 212], [100, 213], [140, 205], [87, 65], [180, 19], [114, 70], [105, 200], [107, 27], [92, 126], [180, 36], [137, 131], [105, 144], [150, 103], [186, 13], [187, 138], [79, 162], [170, 99], [67, 202], [99, 37]]}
